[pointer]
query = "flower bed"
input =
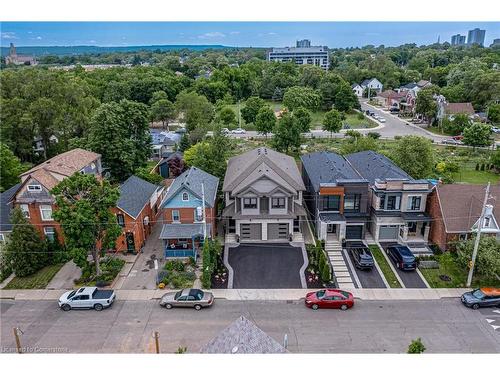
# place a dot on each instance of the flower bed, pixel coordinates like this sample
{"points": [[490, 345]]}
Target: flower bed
{"points": [[318, 273], [179, 274], [110, 268]]}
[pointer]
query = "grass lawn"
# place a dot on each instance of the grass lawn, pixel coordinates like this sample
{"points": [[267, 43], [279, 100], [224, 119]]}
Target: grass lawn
{"points": [[385, 267], [448, 267], [471, 176], [39, 280]]}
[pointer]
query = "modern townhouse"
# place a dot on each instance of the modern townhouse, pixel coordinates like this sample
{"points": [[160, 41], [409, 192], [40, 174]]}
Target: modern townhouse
{"points": [[263, 195], [189, 213], [398, 201], [336, 196]]}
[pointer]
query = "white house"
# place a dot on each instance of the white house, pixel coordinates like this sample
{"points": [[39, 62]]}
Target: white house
{"points": [[372, 84], [357, 89]]}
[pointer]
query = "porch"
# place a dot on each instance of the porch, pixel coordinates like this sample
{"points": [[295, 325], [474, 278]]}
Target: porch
{"points": [[416, 228], [183, 240]]}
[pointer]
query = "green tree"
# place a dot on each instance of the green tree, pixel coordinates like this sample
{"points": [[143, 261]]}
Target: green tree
{"points": [[487, 261], [477, 135], [457, 125], [426, 105], [356, 144], [495, 159], [494, 113], [25, 250], [305, 97], [197, 111], [265, 121], [303, 118], [184, 144], [332, 122], [162, 110], [251, 109], [287, 134], [416, 347], [345, 99], [146, 174], [10, 168], [226, 116], [414, 154], [84, 212]]}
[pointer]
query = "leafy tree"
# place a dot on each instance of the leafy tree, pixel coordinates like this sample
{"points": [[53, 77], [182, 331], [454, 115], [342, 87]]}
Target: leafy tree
{"points": [[477, 135], [251, 109], [305, 97], [345, 99], [495, 159], [303, 118], [265, 121], [176, 166], [414, 154], [162, 110], [25, 250], [332, 122], [84, 212], [457, 125], [426, 105], [10, 168], [226, 116], [120, 133], [487, 261], [196, 110], [146, 174], [311, 76], [287, 134], [494, 113], [416, 347], [184, 144], [357, 144]]}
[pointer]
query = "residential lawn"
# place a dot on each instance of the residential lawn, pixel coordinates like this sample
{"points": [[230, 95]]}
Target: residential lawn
{"points": [[39, 280], [471, 176], [150, 164], [448, 267], [436, 130], [385, 267]]}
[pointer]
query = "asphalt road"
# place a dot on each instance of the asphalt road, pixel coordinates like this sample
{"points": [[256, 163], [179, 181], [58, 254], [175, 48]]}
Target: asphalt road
{"points": [[445, 326]]}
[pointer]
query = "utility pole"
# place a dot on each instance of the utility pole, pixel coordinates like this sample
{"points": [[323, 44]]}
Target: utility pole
{"points": [[478, 236], [203, 211], [16, 331], [239, 115], [157, 342]]}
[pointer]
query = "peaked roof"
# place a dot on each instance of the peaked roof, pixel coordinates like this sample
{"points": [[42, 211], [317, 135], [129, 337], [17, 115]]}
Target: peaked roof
{"points": [[6, 207], [454, 108], [328, 167], [387, 93], [135, 193], [410, 86], [191, 180], [241, 166], [243, 337], [354, 85], [374, 166], [461, 204]]}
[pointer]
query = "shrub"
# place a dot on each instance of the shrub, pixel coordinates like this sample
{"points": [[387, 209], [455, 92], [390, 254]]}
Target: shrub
{"points": [[374, 135], [397, 137], [477, 166], [416, 347], [360, 116], [175, 265]]}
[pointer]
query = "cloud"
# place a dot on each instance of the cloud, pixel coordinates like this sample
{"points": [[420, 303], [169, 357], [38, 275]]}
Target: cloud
{"points": [[267, 34], [92, 41], [30, 32], [212, 35], [38, 38], [234, 32], [9, 35]]}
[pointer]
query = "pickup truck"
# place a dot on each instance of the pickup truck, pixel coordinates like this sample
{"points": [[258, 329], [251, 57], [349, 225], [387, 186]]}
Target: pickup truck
{"points": [[87, 298]]}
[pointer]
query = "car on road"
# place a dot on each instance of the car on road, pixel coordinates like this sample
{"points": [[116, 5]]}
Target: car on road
{"points": [[363, 258], [452, 141], [394, 110], [329, 299], [195, 298], [225, 131], [370, 113], [494, 129], [381, 119], [483, 297], [238, 131], [87, 298], [402, 257], [181, 130]]}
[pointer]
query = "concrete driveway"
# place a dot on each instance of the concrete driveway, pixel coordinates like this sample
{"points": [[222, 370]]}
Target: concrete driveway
{"points": [[266, 266]]}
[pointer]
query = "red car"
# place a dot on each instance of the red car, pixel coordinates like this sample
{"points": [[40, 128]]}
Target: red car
{"points": [[329, 299]]}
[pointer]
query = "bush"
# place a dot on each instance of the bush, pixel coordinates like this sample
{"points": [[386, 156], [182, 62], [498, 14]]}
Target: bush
{"points": [[175, 265], [416, 347], [374, 135], [110, 267], [360, 116]]}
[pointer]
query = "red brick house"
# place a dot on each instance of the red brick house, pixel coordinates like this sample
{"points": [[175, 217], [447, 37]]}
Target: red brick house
{"points": [[455, 211]]}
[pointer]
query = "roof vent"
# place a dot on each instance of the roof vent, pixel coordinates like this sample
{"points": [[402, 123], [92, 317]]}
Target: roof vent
{"points": [[234, 350]]}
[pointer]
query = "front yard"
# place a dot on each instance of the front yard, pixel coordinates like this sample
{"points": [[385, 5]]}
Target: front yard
{"points": [[385, 267], [39, 280]]}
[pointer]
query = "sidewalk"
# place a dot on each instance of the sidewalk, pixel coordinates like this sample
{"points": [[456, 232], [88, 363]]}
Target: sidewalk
{"points": [[252, 294]]}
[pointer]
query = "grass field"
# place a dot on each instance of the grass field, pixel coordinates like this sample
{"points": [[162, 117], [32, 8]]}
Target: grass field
{"points": [[39, 280], [471, 176], [385, 267]]}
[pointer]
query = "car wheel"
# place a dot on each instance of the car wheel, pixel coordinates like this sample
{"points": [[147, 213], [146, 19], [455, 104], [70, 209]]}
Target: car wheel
{"points": [[168, 306], [197, 307], [66, 307], [475, 306], [315, 307], [97, 307], [343, 307]]}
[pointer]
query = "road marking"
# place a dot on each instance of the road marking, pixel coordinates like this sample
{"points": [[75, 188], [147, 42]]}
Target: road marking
{"points": [[496, 311], [495, 327], [490, 320]]}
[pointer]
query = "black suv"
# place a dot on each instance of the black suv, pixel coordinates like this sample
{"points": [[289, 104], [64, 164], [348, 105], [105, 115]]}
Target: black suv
{"points": [[363, 258], [402, 257]]}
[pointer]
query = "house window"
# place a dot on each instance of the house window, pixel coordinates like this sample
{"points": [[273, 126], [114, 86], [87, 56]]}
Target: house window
{"points": [[198, 214], [462, 236], [185, 196], [34, 188], [352, 202], [121, 220], [49, 233], [249, 202], [277, 202], [46, 212], [2, 238], [393, 202], [331, 203], [26, 210], [414, 203], [382, 202], [175, 215], [412, 227], [487, 221]]}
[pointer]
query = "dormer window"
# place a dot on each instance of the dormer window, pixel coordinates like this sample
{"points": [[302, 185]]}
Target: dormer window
{"points": [[34, 188], [185, 197], [487, 221]]}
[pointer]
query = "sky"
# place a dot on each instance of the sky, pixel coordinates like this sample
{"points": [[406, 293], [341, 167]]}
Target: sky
{"points": [[238, 34]]}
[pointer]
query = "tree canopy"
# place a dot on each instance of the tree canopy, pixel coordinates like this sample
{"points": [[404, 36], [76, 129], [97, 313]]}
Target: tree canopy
{"points": [[414, 155]]}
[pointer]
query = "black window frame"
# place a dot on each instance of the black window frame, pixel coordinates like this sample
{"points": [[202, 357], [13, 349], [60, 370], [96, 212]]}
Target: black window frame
{"points": [[250, 205], [328, 203], [413, 199], [279, 205], [356, 202], [122, 222]]}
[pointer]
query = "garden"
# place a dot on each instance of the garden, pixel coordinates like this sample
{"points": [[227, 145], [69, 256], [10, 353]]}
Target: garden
{"points": [[110, 268], [38, 280], [318, 273], [215, 274], [178, 274]]}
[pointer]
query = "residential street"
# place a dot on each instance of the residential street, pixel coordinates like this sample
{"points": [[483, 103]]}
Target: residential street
{"points": [[445, 326]]}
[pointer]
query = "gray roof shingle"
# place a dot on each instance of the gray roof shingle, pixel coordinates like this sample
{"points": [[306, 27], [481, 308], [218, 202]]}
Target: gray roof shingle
{"points": [[134, 194], [6, 207], [192, 180], [374, 166], [171, 231]]}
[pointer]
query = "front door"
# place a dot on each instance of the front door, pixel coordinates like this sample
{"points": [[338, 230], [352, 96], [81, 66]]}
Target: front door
{"points": [[422, 229], [331, 228], [130, 241]]}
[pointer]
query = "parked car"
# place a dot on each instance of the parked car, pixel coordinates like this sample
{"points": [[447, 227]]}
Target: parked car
{"points": [[381, 119], [458, 137], [238, 131], [452, 141], [494, 129], [483, 297], [225, 131], [87, 298], [402, 257], [394, 110], [187, 298], [373, 114], [329, 299], [363, 258], [181, 130]]}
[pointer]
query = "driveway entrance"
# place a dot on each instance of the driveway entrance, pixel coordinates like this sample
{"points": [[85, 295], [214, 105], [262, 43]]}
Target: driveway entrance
{"points": [[266, 266]]}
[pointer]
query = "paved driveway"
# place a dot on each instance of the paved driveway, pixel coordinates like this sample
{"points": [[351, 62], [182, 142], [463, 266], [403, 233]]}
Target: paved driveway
{"points": [[411, 279], [368, 278], [266, 266]]}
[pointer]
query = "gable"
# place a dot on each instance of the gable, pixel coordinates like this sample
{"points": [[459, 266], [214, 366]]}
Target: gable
{"points": [[263, 180], [176, 200]]}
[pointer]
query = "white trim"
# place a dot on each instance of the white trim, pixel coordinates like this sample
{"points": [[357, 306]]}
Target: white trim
{"points": [[41, 212], [34, 187], [178, 215], [27, 211], [187, 194]]}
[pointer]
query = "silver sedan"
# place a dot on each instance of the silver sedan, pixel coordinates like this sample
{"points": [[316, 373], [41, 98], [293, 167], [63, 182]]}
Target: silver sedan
{"points": [[187, 298]]}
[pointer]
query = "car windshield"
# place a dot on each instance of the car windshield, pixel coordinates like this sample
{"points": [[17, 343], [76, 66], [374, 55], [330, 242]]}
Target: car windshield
{"points": [[408, 258], [320, 293], [345, 294], [478, 294], [177, 295], [72, 294]]}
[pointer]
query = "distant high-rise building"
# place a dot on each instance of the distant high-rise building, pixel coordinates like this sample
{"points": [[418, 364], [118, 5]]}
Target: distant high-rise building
{"points": [[458, 40], [496, 43], [304, 43], [476, 36], [311, 55]]}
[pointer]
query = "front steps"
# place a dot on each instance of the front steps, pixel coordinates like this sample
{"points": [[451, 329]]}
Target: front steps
{"points": [[334, 250]]}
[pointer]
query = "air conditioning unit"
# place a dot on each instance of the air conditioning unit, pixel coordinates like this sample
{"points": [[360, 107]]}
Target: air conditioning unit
{"points": [[199, 214]]}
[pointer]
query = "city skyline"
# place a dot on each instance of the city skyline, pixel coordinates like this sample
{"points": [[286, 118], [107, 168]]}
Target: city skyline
{"points": [[237, 34]]}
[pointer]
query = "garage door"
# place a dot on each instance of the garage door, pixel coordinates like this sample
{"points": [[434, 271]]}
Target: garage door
{"points": [[277, 231], [354, 232], [250, 231], [388, 232]]}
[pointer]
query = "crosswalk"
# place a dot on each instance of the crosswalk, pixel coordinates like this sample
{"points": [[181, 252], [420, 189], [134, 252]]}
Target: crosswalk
{"points": [[334, 250]]}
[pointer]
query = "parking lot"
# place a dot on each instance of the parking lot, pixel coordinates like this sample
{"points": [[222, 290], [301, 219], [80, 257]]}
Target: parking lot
{"points": [[410, 279]]}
